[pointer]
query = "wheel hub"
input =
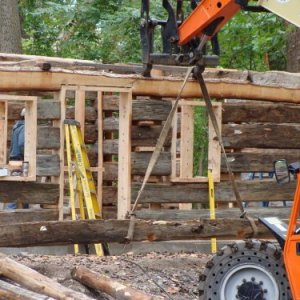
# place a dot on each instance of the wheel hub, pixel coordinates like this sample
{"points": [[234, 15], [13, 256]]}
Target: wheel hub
{"points": [[260, 285], [250, 290]]}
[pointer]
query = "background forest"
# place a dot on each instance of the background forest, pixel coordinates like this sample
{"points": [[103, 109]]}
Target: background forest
{"points": [[108, 31]]}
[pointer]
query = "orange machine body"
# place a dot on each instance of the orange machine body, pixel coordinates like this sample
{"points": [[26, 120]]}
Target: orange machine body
{"points": [[204, 14], [292, 246]]}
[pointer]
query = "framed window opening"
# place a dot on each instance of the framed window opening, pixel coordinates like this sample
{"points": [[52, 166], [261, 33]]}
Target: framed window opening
{"points": [[183, 144], [25, 169]]}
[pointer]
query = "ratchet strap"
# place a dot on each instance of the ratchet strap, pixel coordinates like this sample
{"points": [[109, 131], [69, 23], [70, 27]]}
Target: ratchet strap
{"points": [[159, 145], [206, 97]]}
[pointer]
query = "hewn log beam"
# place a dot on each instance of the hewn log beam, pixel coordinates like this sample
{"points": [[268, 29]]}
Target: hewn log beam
{"points": [[197, 214], [273, 86], [100, 231], [29, 192]]}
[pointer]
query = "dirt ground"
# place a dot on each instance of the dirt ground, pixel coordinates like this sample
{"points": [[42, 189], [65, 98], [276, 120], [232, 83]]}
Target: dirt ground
{"points": [[176, 273]]}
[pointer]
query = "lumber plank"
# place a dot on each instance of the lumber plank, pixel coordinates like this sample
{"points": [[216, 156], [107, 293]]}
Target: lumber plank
{"points": [[260, 113], [124, 155], [35, 281], [101, 231], [259, 161], [273, 86], [279, 136], [29, 192], [14, 216], [186, 146], [109, 286]]}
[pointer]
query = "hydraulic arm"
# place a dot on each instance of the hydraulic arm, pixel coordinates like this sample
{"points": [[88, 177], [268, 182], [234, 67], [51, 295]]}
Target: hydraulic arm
{"points": [[184, 39]]}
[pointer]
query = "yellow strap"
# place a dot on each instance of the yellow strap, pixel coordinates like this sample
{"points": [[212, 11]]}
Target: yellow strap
{"points": [[212, 209]]}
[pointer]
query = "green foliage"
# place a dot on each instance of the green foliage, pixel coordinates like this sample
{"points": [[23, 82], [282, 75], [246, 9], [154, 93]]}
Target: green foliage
{"points": [[200, 163], [255, 41]]}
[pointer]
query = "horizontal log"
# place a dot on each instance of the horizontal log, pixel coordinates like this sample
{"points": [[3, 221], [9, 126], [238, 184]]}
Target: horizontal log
{"points": [[102, 231], [48, 137], [47, 165], [139, 163], [29, 192], [143, 109], [252, 190], [273, 86], [260, 161], [46, 110], [280, 136], [13, 216], [260, 113], [196, 214], [90, 113]]}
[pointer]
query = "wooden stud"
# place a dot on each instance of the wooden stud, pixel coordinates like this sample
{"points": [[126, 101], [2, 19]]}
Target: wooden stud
{"points": [[186, 146], [174, 145], [61, 152], [100, 150], [80, 107], [124, 172], [3, 132], [214, 148]]}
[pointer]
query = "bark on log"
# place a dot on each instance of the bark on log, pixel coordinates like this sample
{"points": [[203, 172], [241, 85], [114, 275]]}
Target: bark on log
{"points": [[36, 282], [260, 113], [276, 136], [273, 86], [107, 285], [12, 292], [29, 192], [114, 231]]}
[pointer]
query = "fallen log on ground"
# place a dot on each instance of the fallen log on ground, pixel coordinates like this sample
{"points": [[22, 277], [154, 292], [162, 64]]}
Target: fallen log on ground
{"points": [[35, 281], [12, 292], [114, 231], [109, 286]]}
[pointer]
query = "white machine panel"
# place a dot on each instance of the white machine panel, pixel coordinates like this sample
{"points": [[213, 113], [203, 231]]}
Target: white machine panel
{"points": [[287, 9]]}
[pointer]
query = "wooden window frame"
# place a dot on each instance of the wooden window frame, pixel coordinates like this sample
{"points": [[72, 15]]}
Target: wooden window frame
{"points": [[30, 136], [187, 144]]}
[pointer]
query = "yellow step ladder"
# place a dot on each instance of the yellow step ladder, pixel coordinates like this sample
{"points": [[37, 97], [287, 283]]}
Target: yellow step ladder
{"points": [[81, 182]]}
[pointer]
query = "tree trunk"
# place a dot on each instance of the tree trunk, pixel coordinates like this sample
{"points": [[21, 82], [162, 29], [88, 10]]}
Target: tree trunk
{"points": [[10, 28], [293, 55]]}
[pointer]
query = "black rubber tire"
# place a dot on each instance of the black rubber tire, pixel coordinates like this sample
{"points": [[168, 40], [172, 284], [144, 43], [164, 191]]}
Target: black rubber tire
{"points": [[264, 254]]}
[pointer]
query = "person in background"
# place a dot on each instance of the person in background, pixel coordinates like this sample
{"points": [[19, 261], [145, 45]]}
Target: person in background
{"points": [[17, 139], [17, 148]]}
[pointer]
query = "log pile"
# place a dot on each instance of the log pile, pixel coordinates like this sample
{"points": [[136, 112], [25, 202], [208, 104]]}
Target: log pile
{"points": [[19, 282]]}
